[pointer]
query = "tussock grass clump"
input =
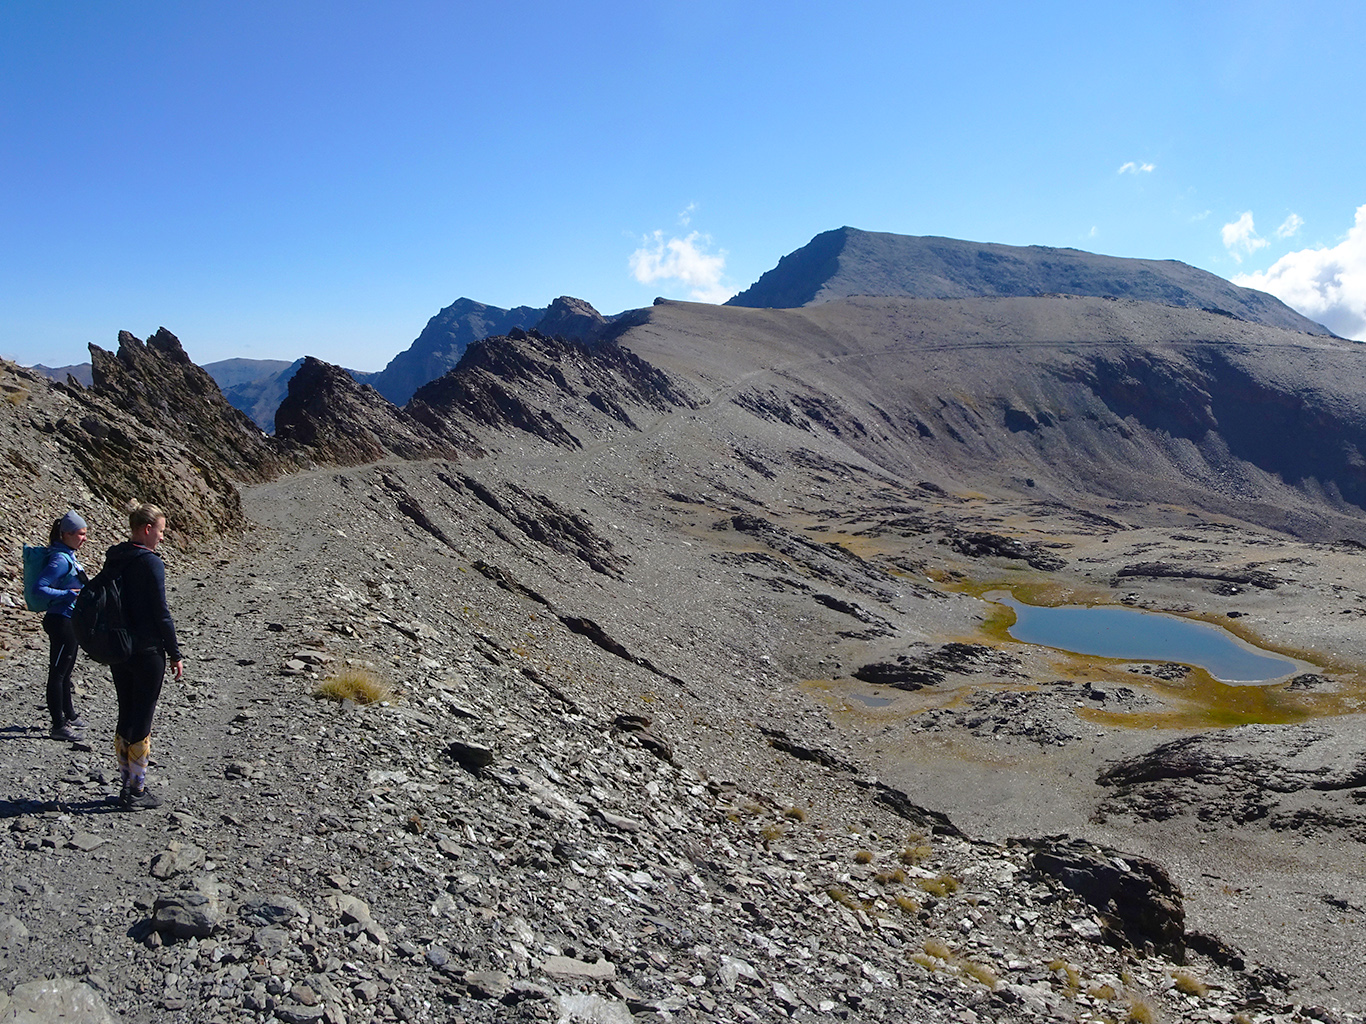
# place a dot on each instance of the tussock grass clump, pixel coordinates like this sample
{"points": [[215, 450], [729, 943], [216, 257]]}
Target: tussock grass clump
{"points": [[940, 885], [863, 857], [915, 853], [795, 813], [1067, 975], [1189, 984], [844, 899], [907, 905], [1142, 1010], [926, 961], [893, 877], [351, 683], [772, 833], [938, 949], [980, 972], [1106, 993]]}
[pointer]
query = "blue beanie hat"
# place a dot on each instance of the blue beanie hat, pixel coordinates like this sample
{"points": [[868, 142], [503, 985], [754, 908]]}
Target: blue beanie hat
{"points": [[70, 523]]}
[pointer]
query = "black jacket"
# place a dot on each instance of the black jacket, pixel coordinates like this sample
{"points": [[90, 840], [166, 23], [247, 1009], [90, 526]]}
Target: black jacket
{"points": [[144, 597]]}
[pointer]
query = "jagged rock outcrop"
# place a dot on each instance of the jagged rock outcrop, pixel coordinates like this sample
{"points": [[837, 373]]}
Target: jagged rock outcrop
{"points": [[156, 383], [1139, 903], [75, 447], [574, 319], [443, 342], [846, 262], [560, 391], [331, 418]]}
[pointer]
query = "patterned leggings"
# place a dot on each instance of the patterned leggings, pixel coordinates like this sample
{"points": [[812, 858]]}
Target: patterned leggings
{"points": [[138, 683]]}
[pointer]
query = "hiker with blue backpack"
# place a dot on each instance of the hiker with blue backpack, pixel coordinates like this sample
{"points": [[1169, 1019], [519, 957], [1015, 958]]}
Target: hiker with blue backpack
{"points": [[57, 583]]}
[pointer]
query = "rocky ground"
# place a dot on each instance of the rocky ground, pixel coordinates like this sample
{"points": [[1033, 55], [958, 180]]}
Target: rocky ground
{"points": [[697, 710], [572, 809]]}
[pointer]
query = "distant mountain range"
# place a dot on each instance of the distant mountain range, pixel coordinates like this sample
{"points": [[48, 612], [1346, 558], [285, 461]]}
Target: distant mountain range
{"points": [[838, 264]]}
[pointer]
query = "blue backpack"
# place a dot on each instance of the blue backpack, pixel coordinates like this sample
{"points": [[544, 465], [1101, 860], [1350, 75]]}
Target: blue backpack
{"points": [[35, 557]]}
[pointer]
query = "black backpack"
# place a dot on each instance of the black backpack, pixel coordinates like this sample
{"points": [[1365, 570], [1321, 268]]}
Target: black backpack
{"points": [[98, 619]]}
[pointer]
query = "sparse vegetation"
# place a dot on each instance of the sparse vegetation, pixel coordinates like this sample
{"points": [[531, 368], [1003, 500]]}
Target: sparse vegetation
{"points": [[926, 961], [844, 899], [863, 857], [907, 905], [1189, 984], [772, 833], [940, 885], [1067, 975], [981, 973], [938, 949], [353, 683], [1141, 1009], [915, 853], [893, 877], [795, 813]]}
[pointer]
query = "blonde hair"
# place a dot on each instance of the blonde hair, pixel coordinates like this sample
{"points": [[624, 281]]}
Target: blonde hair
{"points": [[143, 515]]}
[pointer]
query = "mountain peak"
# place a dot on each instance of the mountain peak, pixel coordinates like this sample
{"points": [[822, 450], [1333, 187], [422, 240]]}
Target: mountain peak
{"points": [[847, 261]]}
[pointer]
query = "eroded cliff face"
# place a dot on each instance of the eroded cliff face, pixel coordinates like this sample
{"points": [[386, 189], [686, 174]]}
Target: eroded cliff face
{"points": [[74, 447], [156, 383]]}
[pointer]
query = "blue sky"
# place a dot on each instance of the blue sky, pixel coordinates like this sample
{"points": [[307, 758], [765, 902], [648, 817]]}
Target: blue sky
{"points": [[277, 179]]}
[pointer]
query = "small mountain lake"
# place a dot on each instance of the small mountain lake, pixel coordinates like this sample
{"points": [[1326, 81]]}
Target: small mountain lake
{"points": [[1129, 633]]}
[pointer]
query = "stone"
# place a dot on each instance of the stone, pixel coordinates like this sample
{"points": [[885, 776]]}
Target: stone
{"points": [[570, 968], [187, 915], [177, 858], [488, 984], [56, 1001]]}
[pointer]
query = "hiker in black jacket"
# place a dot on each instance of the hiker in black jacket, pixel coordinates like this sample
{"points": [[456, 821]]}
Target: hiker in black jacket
{"points": [[138, 680]]}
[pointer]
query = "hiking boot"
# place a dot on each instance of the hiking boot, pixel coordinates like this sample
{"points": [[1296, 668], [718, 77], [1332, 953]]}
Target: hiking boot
{"points": [[64, 731], [76, 722], [138, 799]]}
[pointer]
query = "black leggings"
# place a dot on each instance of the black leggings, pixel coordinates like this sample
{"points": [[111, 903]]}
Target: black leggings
{"points": [[138, 684], [61, 660]]}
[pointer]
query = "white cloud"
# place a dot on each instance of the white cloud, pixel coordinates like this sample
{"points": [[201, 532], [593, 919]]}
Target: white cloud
{"points": [[1327, 285], [685, 217], [1290, 226], [1241, 235], [1136, 168], [685, 260]]}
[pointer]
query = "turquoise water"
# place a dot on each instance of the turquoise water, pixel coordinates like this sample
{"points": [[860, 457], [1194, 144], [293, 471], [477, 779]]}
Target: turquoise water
{"points": [[1145, 636]]}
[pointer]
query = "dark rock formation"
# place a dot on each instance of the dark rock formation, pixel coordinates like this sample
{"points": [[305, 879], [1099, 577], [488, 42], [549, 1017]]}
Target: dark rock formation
{"points": [[910, 672], [443, 342], [544, 386], [1139, 903], [1285, 776], [574, 319], [155, 382], [334, 419], [1259, 578], [982, 545], [846, 262], [64, 439]]}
